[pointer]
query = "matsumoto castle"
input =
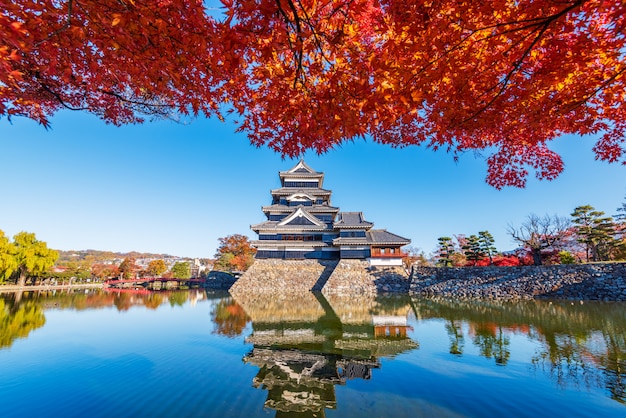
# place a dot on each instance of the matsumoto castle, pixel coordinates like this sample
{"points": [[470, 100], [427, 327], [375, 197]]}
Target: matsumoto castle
{"points": [[302, 224]]}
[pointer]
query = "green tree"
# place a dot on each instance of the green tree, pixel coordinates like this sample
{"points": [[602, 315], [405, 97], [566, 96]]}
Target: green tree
{"points": [[596, 232], [445, 251], [128, 268], [566, 257], [472, 249], [156, 268], [235, 253], [7, 258], [621, 216], [33, 257], [181, 270], [487, 245]]}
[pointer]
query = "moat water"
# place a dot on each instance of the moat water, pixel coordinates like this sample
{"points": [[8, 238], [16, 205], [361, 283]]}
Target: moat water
{"points": [[202, 354]]}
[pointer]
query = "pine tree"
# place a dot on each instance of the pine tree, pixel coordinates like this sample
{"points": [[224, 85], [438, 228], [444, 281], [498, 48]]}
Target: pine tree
{"points": [[472, 249], [487, 245], [445, 250], [596, 232]]}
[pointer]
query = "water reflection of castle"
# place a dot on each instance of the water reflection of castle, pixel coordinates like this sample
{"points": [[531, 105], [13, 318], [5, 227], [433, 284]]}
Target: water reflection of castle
{"points": [[306, 344]]}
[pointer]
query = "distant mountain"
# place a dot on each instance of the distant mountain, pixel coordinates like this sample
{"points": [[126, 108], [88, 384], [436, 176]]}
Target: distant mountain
{"points": [[96, 256]]}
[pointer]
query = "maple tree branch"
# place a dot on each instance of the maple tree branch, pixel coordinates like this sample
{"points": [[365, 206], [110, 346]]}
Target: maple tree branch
{"points": [[68, 24], [58, 97], [543, 27], [134, 102], [316, 38], [601, 87]]}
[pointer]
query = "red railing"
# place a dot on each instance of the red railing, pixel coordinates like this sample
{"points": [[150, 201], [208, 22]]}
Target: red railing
{"points": [[387, 255], [151, 279]]}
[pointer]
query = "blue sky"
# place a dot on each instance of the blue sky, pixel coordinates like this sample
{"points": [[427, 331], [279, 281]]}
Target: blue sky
{"points": [[173, 188]]}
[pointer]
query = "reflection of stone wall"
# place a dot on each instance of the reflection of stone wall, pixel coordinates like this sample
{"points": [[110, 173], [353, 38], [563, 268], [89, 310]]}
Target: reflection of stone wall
{"points": [[579, 281], [277, 307], [359, 310]]}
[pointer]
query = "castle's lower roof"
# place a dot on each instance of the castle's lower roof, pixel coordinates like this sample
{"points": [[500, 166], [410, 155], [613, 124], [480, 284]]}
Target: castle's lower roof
{"points": [[288, 191], [312, 209], [352, 220], [373, 237]]}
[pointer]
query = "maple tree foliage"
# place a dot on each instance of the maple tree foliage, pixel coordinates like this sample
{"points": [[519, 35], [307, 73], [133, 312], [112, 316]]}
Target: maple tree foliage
{"points": [[235, 253], [502, 76]]}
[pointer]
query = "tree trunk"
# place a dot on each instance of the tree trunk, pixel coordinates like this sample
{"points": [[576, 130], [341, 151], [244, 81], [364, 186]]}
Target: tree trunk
{"points": [[21, 279], [536, 257]]}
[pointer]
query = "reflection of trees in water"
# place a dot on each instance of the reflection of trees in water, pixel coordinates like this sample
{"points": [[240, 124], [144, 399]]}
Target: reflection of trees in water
{"points": [[18, 320], [492, 342], [455, 334], [22, 312], [582, 344], [229, 317]]}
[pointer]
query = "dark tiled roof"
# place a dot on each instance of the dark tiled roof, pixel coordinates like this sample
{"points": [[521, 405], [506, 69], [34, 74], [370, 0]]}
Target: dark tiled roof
{"points": [[351, 241], [285, 243], [382, 236], [274, 227], [351, 220], [286, 191], [311, 209], [301, 168]]}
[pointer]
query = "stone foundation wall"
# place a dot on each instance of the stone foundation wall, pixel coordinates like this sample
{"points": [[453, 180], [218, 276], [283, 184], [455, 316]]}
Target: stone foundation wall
{"points": [[284, 276], [574, 281], [354, 276]]}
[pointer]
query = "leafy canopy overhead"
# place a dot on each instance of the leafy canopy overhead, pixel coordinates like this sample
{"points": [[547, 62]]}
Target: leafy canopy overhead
{"points": [[503, 76]]}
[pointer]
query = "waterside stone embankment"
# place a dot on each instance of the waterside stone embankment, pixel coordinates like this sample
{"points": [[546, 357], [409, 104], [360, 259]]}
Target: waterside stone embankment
{"points": [[577, 281], [573, 281]]}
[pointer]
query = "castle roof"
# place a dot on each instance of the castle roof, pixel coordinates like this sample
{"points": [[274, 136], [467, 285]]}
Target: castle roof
{"points": [[299, 219], [373, 237], [312, 209], [288, 191], [382, 236], [351, 220], [300, 168]]}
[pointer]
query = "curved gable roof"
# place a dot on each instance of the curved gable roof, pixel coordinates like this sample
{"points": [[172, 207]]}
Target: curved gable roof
{"points": [[301, 217]]}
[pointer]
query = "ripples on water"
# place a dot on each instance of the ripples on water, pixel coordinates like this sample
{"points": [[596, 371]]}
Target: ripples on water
{"points": [[197, 353]]}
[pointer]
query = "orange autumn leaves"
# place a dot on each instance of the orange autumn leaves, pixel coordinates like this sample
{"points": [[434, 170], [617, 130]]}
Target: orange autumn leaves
{"points": [[500, 76]]}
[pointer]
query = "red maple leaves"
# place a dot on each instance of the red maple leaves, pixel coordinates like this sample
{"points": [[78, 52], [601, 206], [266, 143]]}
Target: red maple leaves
{"points": [[502, 76]]}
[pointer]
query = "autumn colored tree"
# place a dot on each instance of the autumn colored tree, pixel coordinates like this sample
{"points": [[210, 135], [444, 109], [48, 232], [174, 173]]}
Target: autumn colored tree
{"points": [[235, 253], [501, 76], [105, 271], [413, 257], [128, 268], [539, 233], [156, 268]]}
